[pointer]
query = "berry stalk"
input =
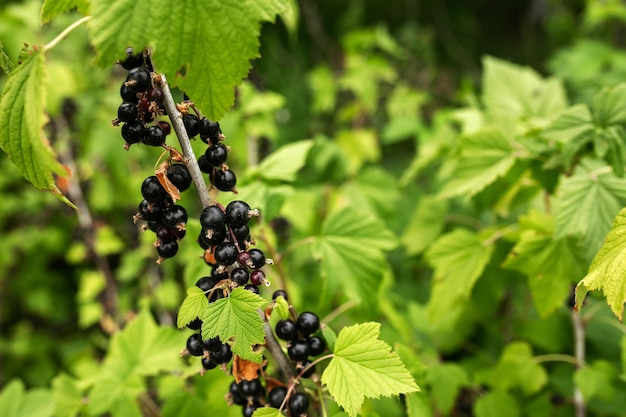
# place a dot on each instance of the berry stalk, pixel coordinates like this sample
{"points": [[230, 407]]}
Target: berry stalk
{"points": [[189, 157]]}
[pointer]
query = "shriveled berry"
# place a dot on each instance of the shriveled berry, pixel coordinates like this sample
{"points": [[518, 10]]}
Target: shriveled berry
{"points": [[239, 276], [213, 217], [138, 79], [276, 396], [298, 404], [298, 350], [237, 213], [167, 249], [179, 175], [225, 253], [308, 323], [216, 155], [132, 132], [194, 345], [127, 112], [154, 136], [286, 329], [225, 180], [191, 124]]}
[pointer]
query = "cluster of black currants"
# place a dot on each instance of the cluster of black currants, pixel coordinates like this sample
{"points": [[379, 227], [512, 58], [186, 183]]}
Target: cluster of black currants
{"points": [[213, 352], [166, 219], [142, 101]]}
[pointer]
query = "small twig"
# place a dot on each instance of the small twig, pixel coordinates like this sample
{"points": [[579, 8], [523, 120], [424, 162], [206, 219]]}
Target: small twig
{"points": [[66, 32], [579, 353], [277, 352]]}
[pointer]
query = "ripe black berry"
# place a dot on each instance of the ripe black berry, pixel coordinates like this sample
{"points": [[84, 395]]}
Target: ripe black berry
{"points": [[276, 396], [317, 345], [150, 212], [250, 388], [249, 409], [216, 155], [309, 372], [212, 217], [132, 60], [298, 350], [174, 216], [212, 344], [212, 237], [165, 234], [223, 354], [225, 180], [237, 213], [191, 124], [132, 132], [286, 329], [194, 345], [252, 288], [152, 190], [204, 165], [234, 394], [138, 79], [279, 293], [178, 174], [128, 95], [257, 277], [242, 233], [240, 276], [209, 131], [257, 258], [225, 253], [208, 364], [165, 127], [298, 404], [167, 249], [206, 283], [196, 324], [127, 112], [218, 275], [154, 136], [308, 323]]}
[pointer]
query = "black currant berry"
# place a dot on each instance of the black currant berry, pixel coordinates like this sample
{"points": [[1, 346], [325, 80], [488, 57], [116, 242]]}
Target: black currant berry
{"points": [[222, 355], [132, 132], [212, 237], [138, 79], [154, 136], [204, 165], [309, 372], [233, 392], [216, 155], [127, 112], [194, 345], [196, 324], [317, 345], [242, 233], [152, 190], [286, 329], [237, 213], [179, 175], [257, 277], [208, 364], [298, 350], [225, 253], [225, 180], [308, 323], [250, 388], [239, 276], [165, 234], [154, 225], [276, 396], [128, 95], [279, 293], [167, 249], [212, 344], [191, 124], [165, 127], [209, 131], [206, 283], [298, 404], [174, 216], [249, 409], [257, 258], [132, 60], [215, 273], [252, 288], [150, 212], [213, 217], [155, 94]]}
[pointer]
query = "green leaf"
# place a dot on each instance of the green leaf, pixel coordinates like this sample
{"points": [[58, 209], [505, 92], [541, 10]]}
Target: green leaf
{"points": [[236, 319], [587, 203], [5, 62], [117, 394], [517, 369], [596, 380], [551, 264], [68, 398], [446, 380], [284, 163], [281, 308], [483, 157], [607, 272], [53, 8], [496, 404], [425, 224], [21, 122], [267, 412], [418, 405], [512, 93], [193, 306], [458, 258], [364, 366], [212, 42], [16, 402], [572, 129], [351, 246]]}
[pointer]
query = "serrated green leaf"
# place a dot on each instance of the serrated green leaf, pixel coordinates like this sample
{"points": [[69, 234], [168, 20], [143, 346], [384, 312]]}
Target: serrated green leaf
{"points": [[572, 129], [21, 122], [53, 8], [512, 93], [551, 265], [281, 308], [608, 106], [116, 394], [351, 246], [267, 412], [517, 368], [194, 305], [445, 380], [496, 404], [235, 318], [587, 203], [364, 366], [459, 258], [68, 398], [212, 41], [15, 401], [5, 62], [484, 156], [284, 163], [425, 224], [607, 272], [596, 380]]}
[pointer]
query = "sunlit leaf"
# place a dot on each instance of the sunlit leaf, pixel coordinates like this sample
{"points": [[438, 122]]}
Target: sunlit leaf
{"points": [[193, 306], [53, 8]]}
